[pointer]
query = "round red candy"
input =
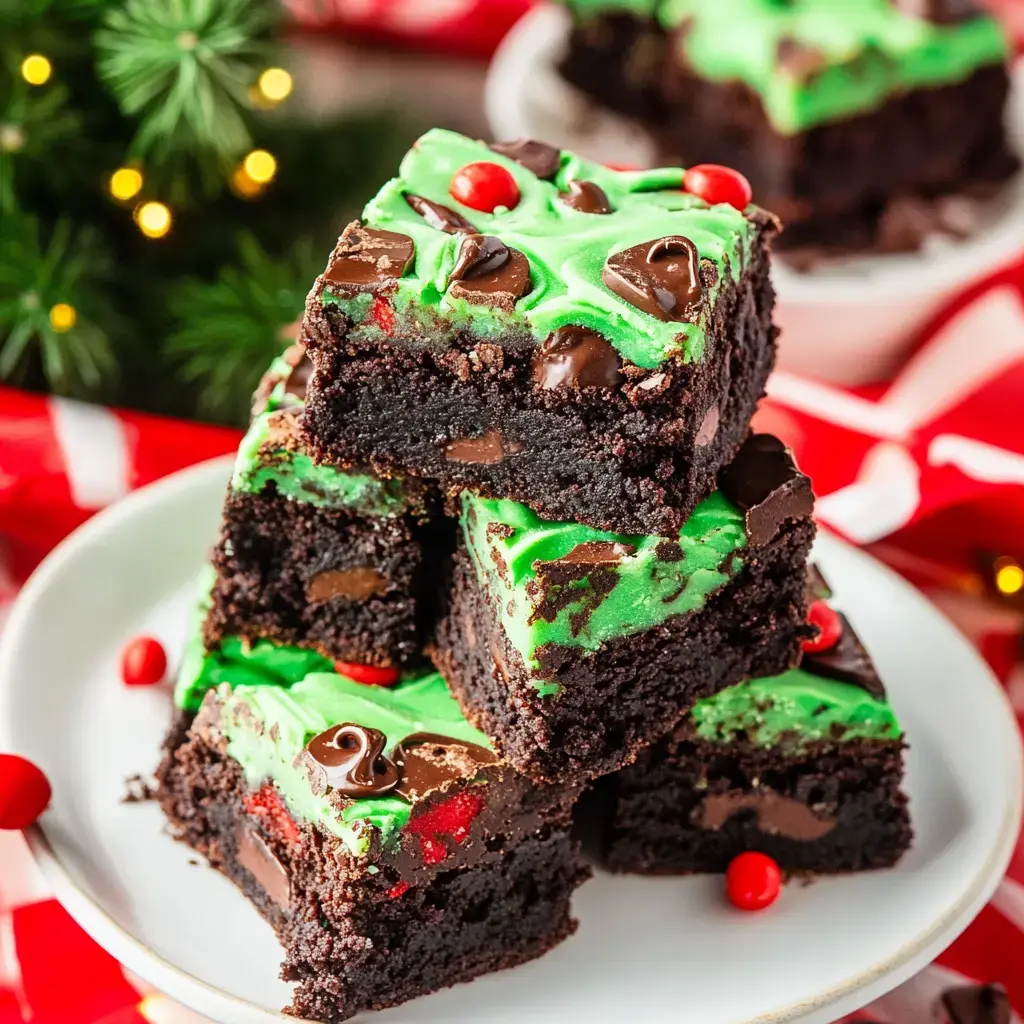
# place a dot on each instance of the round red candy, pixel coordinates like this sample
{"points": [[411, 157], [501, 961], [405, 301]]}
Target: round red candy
{"points": [[484, 186], [24, 792], [830, 627], [717, 184], [143, 662], [753, 881], [368, 674]]}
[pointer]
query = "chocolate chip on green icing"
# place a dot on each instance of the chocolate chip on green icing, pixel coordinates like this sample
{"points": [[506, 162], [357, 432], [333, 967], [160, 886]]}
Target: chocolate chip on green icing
{"points": [[776, 815], [848, 661], [798, 60], [539, 157], [576, 357], [585, 197], [349, 759], [660, 277], [444, 218], [358, 584], [429, 761], [941, 12], [367, 259], [489, 272]]}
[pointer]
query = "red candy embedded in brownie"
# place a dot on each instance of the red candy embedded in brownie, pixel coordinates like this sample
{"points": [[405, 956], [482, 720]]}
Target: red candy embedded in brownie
{"points": [[368, 674], [382, 314], [451, 818], [266, 805], [398, 889], [826, 620], [753, 881], [143, 662], [716, 184], [484, 186]]}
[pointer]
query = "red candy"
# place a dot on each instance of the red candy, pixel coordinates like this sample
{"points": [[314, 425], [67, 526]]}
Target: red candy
{"points": [[716, 184], [143, 662], [398, 889], [368, 674], [382, 314], [24, 792], [484, 186], [830, 627], [266, 805], [451, 818], [753, 881]]}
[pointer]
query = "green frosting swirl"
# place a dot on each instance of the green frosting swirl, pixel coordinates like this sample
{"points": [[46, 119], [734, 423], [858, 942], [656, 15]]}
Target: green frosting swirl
{"points": [[511, 548], [567, 249], [792, 710]]}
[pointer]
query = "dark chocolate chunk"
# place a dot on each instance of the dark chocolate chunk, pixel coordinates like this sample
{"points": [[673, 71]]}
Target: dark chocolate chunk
{"points": [[428, 761], [585, 197], [941, 12], [777, 815], [488, 272], [764, 481], [800, 61], [576, 357], [848, 661], [486, 450], [661, 277], [356, 584], [708, 428], [368, 259], [975, 1004], [256, 856], [350, 759], [437, 216], [598, 552], [539, 157]]}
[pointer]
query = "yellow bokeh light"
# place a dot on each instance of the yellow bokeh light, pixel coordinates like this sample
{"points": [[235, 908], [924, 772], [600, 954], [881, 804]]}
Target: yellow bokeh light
{"points": [[36, 69], [154, 219], [63, 317], [244, 186], [1009, 577], [260, 166], [275, 85], [125, 183]]}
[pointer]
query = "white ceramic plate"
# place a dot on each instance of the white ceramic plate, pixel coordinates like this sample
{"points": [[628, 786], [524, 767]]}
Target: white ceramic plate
{"points": [[847, 322], [657, 949]]}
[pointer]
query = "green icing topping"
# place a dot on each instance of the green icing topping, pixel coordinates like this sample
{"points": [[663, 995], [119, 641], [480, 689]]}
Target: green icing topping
{"points": [[268, 727], [510, 545], [794, 709], [868, 50], [566, 248]]}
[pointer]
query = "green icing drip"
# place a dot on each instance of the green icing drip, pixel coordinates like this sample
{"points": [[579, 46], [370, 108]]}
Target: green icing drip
{"points": [[507, 542], [566, 248], [871, 51], [794, 709], [267, 728]]}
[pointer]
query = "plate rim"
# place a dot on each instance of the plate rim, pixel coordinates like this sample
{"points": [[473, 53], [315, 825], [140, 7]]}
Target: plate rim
{"points": [[207, 999]]}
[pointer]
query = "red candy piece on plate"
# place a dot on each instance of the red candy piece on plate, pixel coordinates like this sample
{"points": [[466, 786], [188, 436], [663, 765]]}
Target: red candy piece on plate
{"points": [[753, 881], [830, 627], [717, 184], [368, 674], [24, 792], [143, 662], [484, 186]]}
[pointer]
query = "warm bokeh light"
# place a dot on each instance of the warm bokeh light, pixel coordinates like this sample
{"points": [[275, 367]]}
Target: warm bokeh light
{"points": [[260, 166], [36, 69], [1009, 576], [62, 317], [154, 219], [244, 186], [275, 85], [125, 183]]}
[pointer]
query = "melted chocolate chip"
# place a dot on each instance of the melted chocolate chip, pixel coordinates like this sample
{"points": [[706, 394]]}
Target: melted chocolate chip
{"points": [[585, 197], [255, 855], [429, 761], [940, 12], [763, 480], [538, 157], [975, 1004], [368, 259], [437, 216], [356, 584], [350, 759], [598, 552], [490, 273], [708, 428], [848, 661], [777, 815], [479, 255], [576, 357], [661, 278], [486, 450]]}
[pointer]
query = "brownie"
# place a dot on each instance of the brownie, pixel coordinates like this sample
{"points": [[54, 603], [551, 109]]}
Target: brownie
{"points": [[332, 559], [573, 648], [854, 126], [391, 849], [805, 766], [595, 352]]}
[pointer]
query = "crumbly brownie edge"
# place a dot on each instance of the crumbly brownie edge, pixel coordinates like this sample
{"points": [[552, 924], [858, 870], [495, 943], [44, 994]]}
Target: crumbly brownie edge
{"points": [[625, 459], [640, 820], [623, 697]]}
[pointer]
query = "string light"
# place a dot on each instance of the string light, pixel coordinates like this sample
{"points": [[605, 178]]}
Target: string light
{"points": [[125, 183], [244, 186], [1009, 576], [153, 218], [260, 166], [36, 69], [12, 138], [63, 317], [274, 85]]}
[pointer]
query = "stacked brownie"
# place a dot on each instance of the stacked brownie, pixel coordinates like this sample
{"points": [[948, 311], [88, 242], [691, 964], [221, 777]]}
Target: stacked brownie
{"points": [[863, 124], [514, 441]]}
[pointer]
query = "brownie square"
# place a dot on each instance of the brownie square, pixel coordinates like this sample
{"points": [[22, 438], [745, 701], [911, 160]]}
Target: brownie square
{"points": [[573, 648], [595, 352], [391, 849], [806, 767], [335, 560]]}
